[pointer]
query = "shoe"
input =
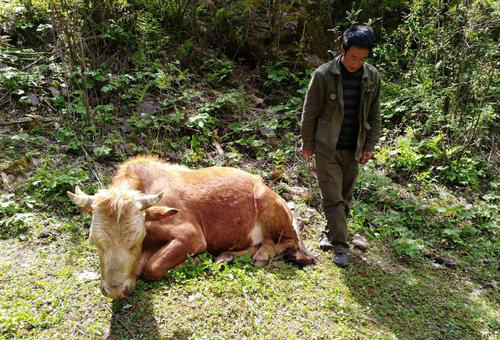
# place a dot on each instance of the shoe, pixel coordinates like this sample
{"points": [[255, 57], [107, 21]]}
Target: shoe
{"points": [[325, 244], [340, 259]]}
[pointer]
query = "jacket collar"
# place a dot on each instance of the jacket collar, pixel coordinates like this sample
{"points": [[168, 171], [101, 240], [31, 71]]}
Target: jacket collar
{"points": [[336, 68]]}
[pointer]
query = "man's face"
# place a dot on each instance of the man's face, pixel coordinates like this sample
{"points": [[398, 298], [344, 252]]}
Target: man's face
{"points": [[354, 58]]}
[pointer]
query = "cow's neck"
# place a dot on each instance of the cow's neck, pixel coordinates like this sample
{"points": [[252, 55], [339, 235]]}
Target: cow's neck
{"points": [[139, 177], [151, 175]]}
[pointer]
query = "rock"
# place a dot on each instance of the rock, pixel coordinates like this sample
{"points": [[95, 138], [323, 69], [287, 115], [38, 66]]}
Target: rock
{"points": [[301, 191], [257, 100], [440, 260], [147, 108], [360, 242], [55, 92], [6, 182], [270, 112], [475, 294], [310, 212], [17, 167], [33, 99], [494, 284], [268, 132], [85, 276], [291, 205], [312, 60], [448, 263], [126, 307]]}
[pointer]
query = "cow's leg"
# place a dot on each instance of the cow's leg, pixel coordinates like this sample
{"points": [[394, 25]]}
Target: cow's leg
{"points": [[269, 248], [278, 225], [145, 256], [228, 256], [291, 251], [167, 257], [264, 254], [189, 241]]}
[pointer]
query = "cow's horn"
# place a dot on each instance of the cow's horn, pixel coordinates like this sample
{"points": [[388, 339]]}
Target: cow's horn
{"points": [[81, 199], [149, 200], [78, 191]]}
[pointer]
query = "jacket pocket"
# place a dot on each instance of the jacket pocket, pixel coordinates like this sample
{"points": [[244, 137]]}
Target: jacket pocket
{"points": [[322, 135], [368, 96], [362, 137]]}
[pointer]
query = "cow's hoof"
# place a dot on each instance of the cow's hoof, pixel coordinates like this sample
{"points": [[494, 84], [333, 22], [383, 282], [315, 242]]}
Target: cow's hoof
{"points": [[225, 257], [260, 262], [299, 257]]}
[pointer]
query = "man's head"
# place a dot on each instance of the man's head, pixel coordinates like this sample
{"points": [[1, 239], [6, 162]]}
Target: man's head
{"points": [[357, 42]]}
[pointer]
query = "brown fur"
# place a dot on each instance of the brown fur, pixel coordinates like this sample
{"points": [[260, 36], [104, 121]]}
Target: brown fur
{"points": [[216, 210]]}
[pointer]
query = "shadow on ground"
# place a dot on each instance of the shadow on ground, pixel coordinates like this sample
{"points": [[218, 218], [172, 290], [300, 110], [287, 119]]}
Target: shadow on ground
{"points": [[139, 316], [418, 302], [133, 318]]}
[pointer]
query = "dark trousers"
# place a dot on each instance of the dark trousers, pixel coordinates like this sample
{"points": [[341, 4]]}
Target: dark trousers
{"points": [[337, 178]]}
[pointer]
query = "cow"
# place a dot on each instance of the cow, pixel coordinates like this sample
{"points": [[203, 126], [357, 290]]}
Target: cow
{"points": [[155, 215]]}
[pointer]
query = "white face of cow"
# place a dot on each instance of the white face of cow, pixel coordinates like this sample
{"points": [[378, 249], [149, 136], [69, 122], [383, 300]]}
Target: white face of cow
{"points": [[117, 230], [119, 243]]}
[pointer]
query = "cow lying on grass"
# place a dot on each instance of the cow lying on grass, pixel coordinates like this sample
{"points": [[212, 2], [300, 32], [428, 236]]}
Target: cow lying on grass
{"points": [[156, 214]]}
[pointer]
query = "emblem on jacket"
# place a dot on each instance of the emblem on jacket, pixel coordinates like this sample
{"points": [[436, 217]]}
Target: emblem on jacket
{"points": [[332, 96]]}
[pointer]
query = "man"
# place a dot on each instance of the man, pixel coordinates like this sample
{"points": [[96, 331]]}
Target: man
{"points": [[341, 124]]}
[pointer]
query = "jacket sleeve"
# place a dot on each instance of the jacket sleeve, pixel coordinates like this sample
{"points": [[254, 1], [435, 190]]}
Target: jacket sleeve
{"points": [[313, 104], [374, 120]]}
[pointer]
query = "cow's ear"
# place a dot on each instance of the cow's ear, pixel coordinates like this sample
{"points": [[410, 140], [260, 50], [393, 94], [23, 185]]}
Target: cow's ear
{"points": [[159, 213]]}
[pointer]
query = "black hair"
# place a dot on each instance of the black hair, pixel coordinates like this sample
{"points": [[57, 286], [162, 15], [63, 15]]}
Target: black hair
{"points": [[358, 35]]}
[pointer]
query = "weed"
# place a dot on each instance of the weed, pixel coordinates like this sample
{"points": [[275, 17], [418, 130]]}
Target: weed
{"points": [[49, 185]]}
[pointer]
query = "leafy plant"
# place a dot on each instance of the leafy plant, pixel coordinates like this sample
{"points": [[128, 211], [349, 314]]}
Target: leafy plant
{"points": [[406, 246], [444, 90], [277, 72], [467, 171], [50, 185], [103, 152], [12, 218], [67, 136], [219, 70]]}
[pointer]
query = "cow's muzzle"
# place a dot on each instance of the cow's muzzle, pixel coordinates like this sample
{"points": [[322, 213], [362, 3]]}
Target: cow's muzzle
{"points": [[117, 291]]}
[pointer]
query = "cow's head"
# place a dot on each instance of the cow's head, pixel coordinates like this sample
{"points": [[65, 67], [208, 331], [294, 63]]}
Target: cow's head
{"points": [[118, 230]]}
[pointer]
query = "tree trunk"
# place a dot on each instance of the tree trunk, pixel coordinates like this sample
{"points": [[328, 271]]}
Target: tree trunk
{"points": [[275, 27]]}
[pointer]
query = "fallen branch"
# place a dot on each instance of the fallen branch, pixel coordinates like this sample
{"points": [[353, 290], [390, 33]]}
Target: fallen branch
{"points": [[20, 121], [49, 104], [26, 120], [440, 260], [31, 64]]}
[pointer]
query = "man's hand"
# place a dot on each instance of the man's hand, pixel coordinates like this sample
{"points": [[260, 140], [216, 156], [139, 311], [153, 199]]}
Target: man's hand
{"points": [[365, 157], [307, 152]]}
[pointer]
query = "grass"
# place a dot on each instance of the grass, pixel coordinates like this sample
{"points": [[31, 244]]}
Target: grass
{"points": [[384, 294], [377, 297], [389, 292]]}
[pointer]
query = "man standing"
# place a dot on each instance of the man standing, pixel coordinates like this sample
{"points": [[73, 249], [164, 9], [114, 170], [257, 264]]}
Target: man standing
{"points": [[341, 124]]}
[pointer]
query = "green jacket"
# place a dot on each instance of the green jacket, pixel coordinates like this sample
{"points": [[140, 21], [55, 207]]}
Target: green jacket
{"points": [[322, 113]]}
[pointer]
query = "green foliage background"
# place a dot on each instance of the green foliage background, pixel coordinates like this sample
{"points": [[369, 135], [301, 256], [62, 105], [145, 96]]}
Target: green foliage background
{"points": [[87, 84]]}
